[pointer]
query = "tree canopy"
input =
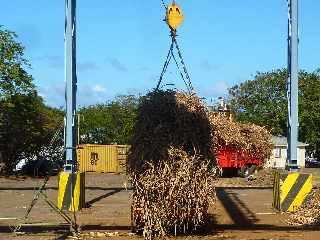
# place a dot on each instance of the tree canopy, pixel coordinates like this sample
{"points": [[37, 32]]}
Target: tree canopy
{"points": [[13, 75], [109, 123], [26, 124], [263, 100]]}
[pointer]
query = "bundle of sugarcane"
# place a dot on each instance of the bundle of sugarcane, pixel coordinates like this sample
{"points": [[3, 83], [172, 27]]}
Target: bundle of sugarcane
{"points": [[309, 213], [248, 137], [170, 161], [168, 118], [172, 196]]}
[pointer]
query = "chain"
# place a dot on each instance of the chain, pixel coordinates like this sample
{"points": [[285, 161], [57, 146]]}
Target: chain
{"points": [[189, 85], [165, 66], [168, 58], [181, 74], [56, 135], [184, 75], [164, 5]]}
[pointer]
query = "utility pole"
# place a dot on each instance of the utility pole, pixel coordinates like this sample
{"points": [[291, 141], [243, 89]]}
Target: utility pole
{"points": [[293, 68], [71, 86]]}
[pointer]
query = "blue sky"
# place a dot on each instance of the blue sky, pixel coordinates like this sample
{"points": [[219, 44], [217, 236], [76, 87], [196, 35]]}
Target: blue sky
{"points": [[122, 44]]}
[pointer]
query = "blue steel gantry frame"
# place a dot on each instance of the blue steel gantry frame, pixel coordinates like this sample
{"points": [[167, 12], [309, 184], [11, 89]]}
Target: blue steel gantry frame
{"points": [[71, 86], [293, 122]]}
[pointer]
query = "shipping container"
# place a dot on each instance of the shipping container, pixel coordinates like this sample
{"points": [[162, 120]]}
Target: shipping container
{"points": [[102, 158]]}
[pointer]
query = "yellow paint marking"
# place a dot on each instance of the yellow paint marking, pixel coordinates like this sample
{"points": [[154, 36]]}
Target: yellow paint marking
{"points": [[77, 201], [287, 185], [76, 195], [63, 179], [301, 196]]}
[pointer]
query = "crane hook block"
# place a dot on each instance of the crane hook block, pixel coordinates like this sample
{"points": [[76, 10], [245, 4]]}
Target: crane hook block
{"points": [[174, 16]]}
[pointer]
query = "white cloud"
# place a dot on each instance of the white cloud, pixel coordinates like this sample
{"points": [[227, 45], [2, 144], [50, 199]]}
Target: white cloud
{"points": [[99, 89], [217, 89]]}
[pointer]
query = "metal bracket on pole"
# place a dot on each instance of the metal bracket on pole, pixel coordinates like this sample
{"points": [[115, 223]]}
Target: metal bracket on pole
{"points": [[293, 69], [71, 86]]}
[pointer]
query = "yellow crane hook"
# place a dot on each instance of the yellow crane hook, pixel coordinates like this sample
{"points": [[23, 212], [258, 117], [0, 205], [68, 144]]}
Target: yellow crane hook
{"points": [[174, 16]]}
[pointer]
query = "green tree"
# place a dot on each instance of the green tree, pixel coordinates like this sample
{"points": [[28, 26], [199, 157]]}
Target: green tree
{"points": [[27, 127], [309, 114], [263, 100], [13, 76], [19, 129], [109, 123], [26, 124]]}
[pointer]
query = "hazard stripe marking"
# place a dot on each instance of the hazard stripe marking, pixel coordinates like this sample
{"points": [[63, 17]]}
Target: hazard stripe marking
{"points": [[71, 191], [297, 185], [302, 194], [63, 180], [287, 185], [290, 190]]}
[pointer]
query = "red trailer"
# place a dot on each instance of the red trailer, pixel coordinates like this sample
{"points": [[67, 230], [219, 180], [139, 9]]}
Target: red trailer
{"points": [[239, 160]]}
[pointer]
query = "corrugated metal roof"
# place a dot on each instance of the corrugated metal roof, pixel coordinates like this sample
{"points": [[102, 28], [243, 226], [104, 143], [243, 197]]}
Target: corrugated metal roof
{"points": [[282, 141]]}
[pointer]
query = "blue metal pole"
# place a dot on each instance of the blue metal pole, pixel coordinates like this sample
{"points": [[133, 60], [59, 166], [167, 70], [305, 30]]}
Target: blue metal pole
{"points": [[293, 69], [71, 85]]}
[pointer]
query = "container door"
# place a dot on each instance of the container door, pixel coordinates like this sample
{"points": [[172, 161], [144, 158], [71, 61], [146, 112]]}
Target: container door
{"points": [[88, 158], [109, 163], [123, 151]]}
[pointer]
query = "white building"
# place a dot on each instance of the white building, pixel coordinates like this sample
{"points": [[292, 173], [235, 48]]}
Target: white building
{"points": [[278, 157]]}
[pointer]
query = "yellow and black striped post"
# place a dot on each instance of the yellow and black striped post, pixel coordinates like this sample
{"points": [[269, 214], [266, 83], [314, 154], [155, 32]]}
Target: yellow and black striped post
{"points": [[290, 190], [71, 191]]}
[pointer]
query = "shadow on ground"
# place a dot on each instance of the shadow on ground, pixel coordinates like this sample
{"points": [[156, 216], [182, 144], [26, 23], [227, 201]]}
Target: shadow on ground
{"points": [[97, 199], [243, 219]]}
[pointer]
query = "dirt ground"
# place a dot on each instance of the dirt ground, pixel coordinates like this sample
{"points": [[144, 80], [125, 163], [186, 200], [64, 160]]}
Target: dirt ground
{"points": [[243, 210], [263, 178]]}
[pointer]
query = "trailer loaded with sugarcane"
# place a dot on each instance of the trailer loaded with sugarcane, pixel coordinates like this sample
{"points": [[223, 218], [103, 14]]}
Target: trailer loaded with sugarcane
{"points": [[239, 147]]}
